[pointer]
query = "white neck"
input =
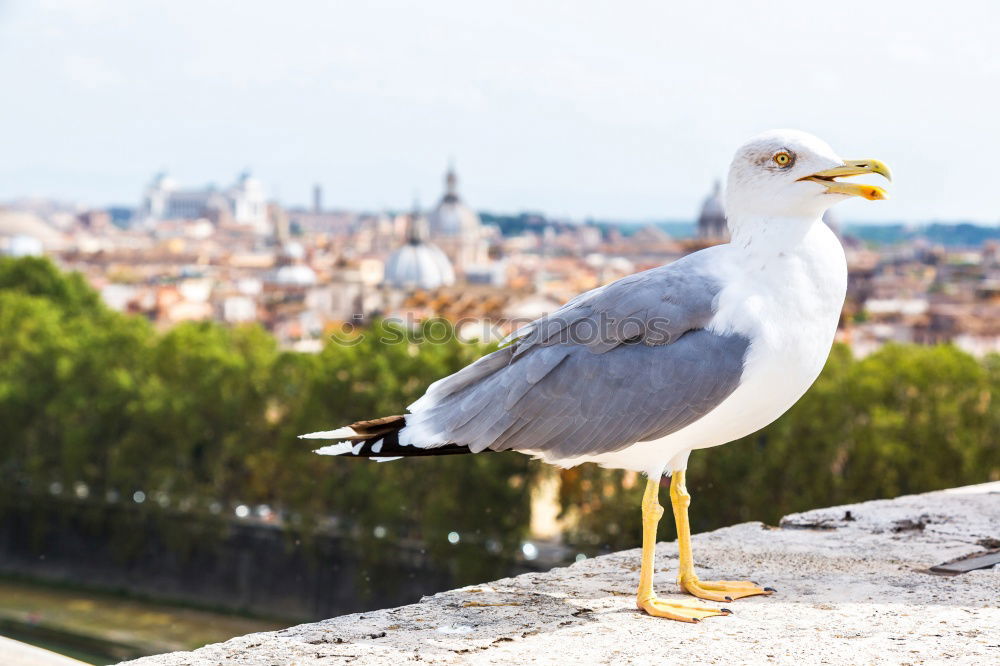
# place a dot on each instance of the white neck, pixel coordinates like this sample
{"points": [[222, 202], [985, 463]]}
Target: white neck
{"points": [[769, 236]]}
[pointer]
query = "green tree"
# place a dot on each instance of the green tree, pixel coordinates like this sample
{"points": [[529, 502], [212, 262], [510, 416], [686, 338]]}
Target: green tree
{"points": [[37, 276], [207, 416]]}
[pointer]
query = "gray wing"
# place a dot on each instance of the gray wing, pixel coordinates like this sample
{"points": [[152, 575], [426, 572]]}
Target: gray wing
{"points": [[628, 362]]}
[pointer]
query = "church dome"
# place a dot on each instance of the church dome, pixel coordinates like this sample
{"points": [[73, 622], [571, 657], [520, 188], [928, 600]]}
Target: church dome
{"points": [[712, 220], [452, 217], [418, 264], [298, 275], [24, 246], [18, 223], [294, 250]]}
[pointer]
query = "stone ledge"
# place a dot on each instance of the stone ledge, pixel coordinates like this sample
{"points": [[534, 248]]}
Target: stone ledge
{"points": [[852, 584], [15, 653]]}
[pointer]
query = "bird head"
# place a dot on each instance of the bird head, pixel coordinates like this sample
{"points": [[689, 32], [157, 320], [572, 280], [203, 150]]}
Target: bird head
{"points": [[792, 174]]}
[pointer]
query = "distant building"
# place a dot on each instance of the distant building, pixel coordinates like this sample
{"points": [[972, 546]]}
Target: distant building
{"points": [[26, 234], [652, 236], [317, 198], [243, 203], [712, 219], [293, 270], [418, 264], [457, 228], [238, 308], [294, 275], [23, 246]]}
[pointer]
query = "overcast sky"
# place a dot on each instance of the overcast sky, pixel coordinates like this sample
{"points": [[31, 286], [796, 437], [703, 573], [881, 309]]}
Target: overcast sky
{"points": [[624, 110]]}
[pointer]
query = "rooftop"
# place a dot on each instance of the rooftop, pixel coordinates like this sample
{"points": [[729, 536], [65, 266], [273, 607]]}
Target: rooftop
{"points": [[854, 586]]}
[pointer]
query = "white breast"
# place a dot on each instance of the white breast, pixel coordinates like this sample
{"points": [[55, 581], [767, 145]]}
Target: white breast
{"points": [[790, 310], [789, 306]]}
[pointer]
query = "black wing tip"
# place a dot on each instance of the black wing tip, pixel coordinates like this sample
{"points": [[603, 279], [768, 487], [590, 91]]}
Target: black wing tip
{"points": [[388, 446]]}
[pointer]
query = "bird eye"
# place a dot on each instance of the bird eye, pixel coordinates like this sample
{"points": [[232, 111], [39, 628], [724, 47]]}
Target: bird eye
{"points": [[782, 159]]}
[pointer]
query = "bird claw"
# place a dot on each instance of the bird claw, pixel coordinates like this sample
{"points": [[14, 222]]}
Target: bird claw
{"points": [[679, 611], [723, 590]]}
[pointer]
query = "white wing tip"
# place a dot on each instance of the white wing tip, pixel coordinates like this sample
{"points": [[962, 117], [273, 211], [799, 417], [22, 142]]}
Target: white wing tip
{"points": [[339, 433], [335, 449]]}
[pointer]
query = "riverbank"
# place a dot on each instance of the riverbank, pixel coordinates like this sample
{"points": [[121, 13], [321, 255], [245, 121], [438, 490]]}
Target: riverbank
{"points": [[100, 628], [232, 564]]}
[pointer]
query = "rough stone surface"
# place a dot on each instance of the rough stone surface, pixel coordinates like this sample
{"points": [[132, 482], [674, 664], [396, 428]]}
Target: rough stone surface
{"points": [[852, 581]]}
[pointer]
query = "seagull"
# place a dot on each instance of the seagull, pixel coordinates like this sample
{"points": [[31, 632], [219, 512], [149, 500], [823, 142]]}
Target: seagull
{"points": [[639, 373]]}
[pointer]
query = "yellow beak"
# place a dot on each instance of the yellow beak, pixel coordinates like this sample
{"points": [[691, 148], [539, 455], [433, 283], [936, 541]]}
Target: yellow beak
{"points": [[853, 168]]}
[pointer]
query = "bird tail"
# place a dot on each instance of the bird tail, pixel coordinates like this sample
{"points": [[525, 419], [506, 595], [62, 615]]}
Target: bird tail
{"points": [[378, 439]]}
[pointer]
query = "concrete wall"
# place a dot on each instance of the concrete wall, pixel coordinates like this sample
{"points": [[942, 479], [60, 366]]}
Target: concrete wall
{"points": [[853, 587]]}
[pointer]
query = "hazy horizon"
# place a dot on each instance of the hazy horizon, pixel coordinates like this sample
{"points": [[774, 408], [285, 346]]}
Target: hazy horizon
{"points": [[577, 110]]}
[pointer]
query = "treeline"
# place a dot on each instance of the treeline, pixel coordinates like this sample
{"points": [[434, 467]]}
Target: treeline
{"points": [[963, 234], [203, 418]]}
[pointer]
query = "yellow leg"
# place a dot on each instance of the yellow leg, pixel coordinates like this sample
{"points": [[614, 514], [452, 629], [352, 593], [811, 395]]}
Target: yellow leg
{"points": [[718, 590], [645, 597]]}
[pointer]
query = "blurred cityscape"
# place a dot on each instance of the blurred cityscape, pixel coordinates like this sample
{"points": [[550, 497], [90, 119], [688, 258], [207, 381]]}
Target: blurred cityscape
{"points": [[156, 496], [159, 464], [234, 255]]}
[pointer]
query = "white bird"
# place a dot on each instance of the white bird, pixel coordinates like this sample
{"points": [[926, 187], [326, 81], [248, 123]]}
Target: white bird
{"points": [[639, 373]]}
